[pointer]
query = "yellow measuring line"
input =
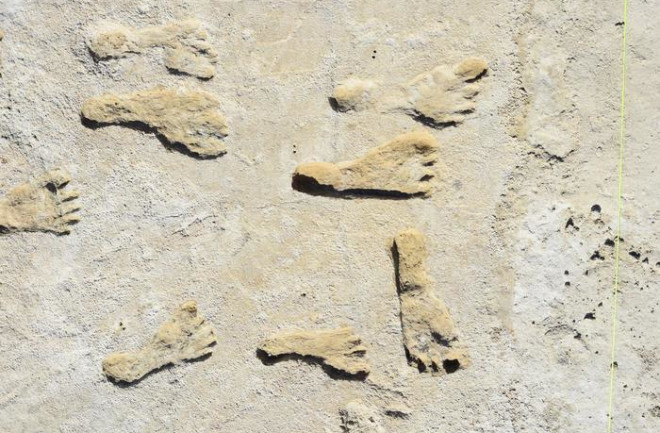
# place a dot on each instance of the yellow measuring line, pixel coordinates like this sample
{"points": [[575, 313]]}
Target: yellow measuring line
{"points": [[617, 241]]}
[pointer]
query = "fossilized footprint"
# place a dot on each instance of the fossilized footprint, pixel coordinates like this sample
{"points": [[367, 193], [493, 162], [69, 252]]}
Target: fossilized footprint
{"points": [[185, 43], [439, 97], [41, 204], [339, 348], [186, 117], [185, 336], [400, 168], [431, 340]]}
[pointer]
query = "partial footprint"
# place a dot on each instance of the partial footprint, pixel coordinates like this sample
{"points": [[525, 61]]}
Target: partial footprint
{"points": [[185, 336], [181, 117], [40, 205], [440, 97], [358, 417], [185, 42], [400, 168], [339, 349], [430, 338], [354, 94]]}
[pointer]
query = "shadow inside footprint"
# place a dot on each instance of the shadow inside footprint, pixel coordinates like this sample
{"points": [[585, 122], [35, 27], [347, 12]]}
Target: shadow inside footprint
{"points": [[335, 105], [141, 127], [482, 74], [451, 365], [419, 117], [310, 186], [334, 373], [175, 71]]}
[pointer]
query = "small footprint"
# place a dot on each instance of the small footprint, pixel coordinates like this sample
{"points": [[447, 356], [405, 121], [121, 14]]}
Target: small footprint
{"points": [[186, 47], [440, 97], [185, 336], [40, 205], [400, 168], [339, 349]]}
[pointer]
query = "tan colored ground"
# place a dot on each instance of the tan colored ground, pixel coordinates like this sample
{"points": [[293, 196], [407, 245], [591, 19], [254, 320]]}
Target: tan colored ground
{"points": [[519, 223]]}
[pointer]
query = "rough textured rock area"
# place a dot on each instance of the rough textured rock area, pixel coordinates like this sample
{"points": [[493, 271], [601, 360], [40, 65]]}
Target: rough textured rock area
{"points": [[360, 418], [422, 190]]}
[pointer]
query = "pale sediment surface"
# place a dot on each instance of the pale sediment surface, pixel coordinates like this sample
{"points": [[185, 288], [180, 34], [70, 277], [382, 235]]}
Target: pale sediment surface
{"points": [[519, 227]]}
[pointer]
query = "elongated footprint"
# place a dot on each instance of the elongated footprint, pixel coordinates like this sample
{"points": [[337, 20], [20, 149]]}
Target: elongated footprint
{"points": [[430, 338], [442, 96], [185, 43], [178, 116], [339, 349], [400, 168]]}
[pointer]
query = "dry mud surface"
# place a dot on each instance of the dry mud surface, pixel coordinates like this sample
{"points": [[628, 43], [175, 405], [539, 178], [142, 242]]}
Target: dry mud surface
{"points": [[198, 114]]}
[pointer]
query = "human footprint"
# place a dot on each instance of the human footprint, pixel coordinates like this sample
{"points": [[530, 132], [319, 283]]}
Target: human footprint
{"points": [[41, 204], [439, 97], [185, 42], [443, 96], [399, 168], [429, 335], [185, 117], [339, 348], [185, 336]]}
